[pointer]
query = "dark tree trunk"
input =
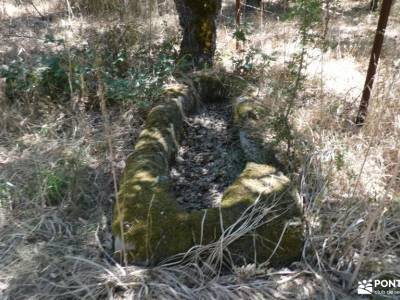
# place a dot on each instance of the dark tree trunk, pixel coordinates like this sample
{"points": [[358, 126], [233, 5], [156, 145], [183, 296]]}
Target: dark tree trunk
{"points": [[373, 61], [237, 18], [198, 21]]}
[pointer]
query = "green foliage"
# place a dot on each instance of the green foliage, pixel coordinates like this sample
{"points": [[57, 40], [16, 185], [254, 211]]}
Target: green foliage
{"points": [[55, 187], [240, 35], [45, 76], [140, 84], [253, 62], [59, 75], [58, 180], [308, 12]]}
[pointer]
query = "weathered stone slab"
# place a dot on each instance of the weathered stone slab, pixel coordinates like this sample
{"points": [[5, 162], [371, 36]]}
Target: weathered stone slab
{"points": [[152, 225], [146, 208], [256, 146], [270, 190]]}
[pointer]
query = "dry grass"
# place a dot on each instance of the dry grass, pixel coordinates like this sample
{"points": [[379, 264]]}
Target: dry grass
{"points": [[347, 177]]}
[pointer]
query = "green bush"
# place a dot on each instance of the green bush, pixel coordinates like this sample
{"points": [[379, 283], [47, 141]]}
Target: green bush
{"points": [[127, 75], [46, 76], [254, 62]]}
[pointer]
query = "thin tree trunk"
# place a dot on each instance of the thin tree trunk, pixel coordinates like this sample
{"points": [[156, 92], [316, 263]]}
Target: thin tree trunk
{"points": [[198, 21], [373, 5], [374, 60], [327, 18], [237, 11]]}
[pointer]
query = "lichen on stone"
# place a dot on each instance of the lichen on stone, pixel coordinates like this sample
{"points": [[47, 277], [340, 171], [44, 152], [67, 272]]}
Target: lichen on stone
{"points": [[247, 113], [145, 206], [152, 226], [266, 185]]}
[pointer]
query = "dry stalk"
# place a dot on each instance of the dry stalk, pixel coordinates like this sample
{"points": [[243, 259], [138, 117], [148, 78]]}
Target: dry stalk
{"points": [[108, 133]]}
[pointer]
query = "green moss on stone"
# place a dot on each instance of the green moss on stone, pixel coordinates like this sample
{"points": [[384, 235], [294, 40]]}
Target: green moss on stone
{"points": [[255, 181], [152, 221], [256, 144], [210, 88], [246, 110], [269, 186], [158, 229], [154, 226]]}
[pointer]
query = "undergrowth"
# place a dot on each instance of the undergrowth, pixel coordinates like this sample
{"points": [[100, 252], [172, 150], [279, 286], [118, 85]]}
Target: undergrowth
{"points": [[60, 74], [56, 188]]}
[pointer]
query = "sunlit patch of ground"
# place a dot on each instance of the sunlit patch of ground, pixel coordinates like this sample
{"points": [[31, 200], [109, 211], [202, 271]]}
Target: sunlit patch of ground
{"points": [[342, 77]]}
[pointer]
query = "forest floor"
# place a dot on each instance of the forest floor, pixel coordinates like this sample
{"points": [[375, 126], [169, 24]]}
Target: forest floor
{"points": [[209, 156], [59, 148]]}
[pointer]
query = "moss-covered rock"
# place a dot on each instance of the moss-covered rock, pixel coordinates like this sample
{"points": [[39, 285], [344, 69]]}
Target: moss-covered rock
{"points": [[275, 194], [212, 87], [280, 235], [257, 147], [185, 97], [152, 225], [145, 207], [160, 229]]}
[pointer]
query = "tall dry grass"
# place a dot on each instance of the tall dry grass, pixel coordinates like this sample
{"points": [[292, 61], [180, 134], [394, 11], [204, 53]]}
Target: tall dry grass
{"points": [[348, 178]]}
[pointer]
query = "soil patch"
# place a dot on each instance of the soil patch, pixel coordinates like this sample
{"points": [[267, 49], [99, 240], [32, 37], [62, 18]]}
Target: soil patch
{"points": [[209, 158]]}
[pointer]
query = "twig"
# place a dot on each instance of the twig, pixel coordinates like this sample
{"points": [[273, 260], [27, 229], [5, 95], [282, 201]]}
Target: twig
{"points": [[111, 153], [34, 6]]}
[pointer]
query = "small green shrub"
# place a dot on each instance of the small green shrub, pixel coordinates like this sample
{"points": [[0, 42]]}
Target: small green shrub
{"points": [[308, 13], [55, 186], [45, 76], [253, 62], [128, 75], [58, 180]]}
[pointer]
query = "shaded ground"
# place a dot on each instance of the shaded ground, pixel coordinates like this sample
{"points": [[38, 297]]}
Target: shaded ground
{"points": [[209, 158]]}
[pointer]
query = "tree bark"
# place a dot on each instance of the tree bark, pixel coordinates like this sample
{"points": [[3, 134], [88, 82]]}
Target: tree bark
{"points": [[198, 20], [237, 18], [374, 60]]}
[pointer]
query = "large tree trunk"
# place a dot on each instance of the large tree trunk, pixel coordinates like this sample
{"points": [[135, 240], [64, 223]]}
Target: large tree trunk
{"points": [[198, 21]]}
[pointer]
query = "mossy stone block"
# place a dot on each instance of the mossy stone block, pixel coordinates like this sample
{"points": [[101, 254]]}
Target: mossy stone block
{"points": [[153, 226], [158, 228], [258, 148], [282, 224], [146, 215]]}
